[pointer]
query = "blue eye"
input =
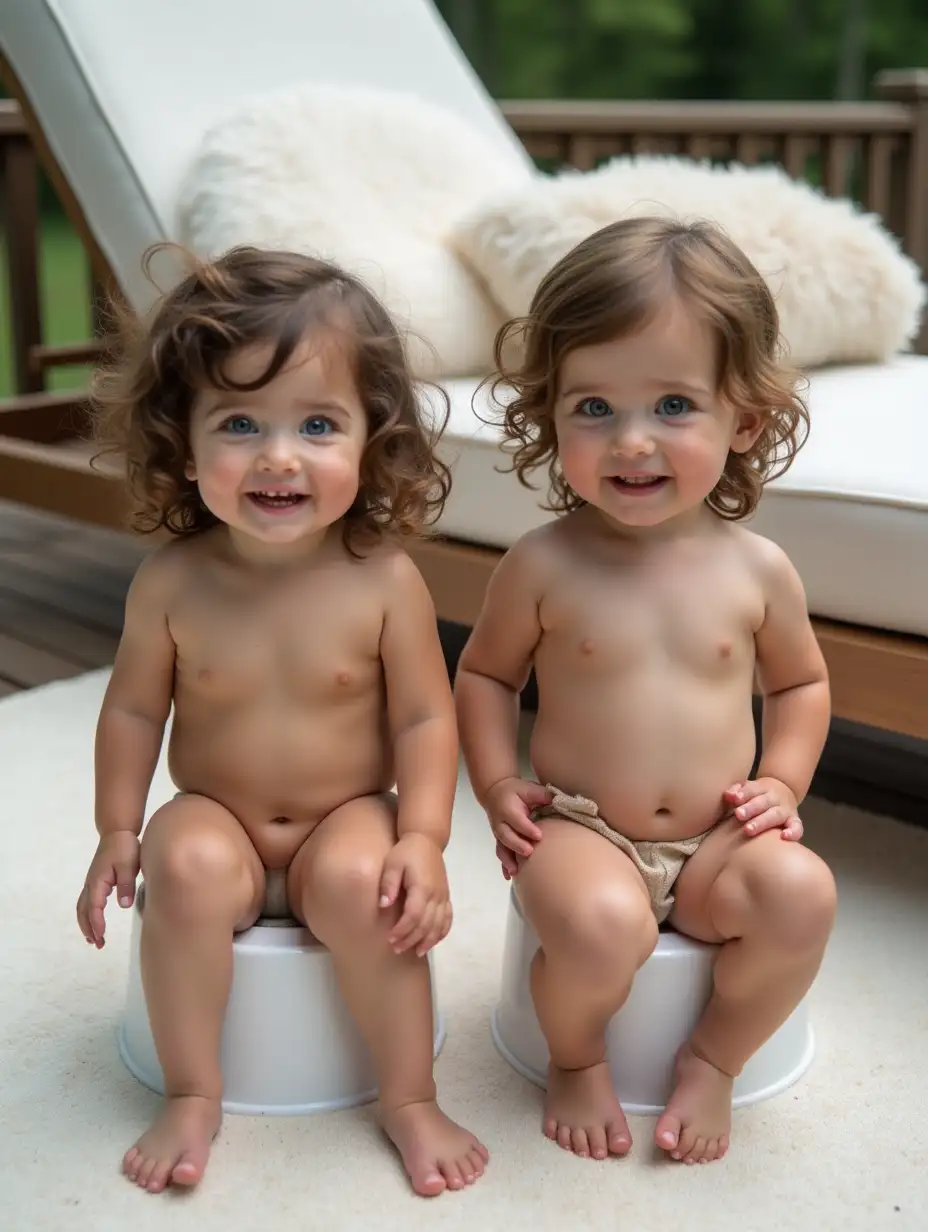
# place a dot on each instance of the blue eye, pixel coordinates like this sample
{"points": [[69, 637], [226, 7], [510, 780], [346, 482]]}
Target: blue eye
{"points": [[673, 406], [594, 408], [239, 425], [316, 426]]}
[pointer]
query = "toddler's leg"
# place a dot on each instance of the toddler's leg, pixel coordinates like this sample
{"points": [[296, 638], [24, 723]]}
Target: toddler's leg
{"points": [[203, 879], [334, 884], [588, 905], [773, 905]]}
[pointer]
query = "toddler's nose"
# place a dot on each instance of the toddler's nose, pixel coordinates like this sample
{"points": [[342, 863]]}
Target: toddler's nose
{"points": [[279, 456], [632, 441]]}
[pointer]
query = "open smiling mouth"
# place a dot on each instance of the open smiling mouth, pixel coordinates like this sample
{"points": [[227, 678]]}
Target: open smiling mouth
{"points": [[277, 502], [639, 484]]}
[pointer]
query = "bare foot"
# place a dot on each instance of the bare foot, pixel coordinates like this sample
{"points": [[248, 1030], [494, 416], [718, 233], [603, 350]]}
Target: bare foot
{"points": [[696, 1123], [582, 1113], [437, 1154], [175, 1150]]}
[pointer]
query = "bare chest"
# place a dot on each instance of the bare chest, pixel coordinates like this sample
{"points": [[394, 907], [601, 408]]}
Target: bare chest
{"points": [[698, 620], [303, 646]]}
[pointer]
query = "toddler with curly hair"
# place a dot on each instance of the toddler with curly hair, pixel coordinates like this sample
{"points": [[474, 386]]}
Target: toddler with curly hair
{"points": [[270, 423]]}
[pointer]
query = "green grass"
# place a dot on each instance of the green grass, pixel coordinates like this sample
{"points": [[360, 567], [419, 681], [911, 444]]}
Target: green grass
{"points": [[65, 303]]}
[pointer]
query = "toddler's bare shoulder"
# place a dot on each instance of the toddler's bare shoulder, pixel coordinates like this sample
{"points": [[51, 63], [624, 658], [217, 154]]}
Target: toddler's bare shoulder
{"points": [[767, 560]]}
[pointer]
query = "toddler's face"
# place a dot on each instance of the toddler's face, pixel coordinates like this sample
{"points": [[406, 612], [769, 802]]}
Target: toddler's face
{"points": [[281, 464], [642, 431]]}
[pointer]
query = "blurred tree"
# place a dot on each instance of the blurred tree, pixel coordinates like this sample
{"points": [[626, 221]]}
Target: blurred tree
{"points": [[752, 49]]}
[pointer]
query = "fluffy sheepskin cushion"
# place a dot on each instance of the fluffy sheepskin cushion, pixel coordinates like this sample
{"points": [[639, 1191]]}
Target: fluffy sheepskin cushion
{"points": [[844, 290], [371, 179]]}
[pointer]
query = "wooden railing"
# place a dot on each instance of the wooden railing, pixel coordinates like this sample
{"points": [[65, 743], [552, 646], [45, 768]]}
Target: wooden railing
{"points": [[876, 152]]}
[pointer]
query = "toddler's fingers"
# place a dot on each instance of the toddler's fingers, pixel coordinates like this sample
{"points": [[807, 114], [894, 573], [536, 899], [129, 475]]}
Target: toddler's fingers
{"points": [[733, 793], [507, 859], [83, 923], [753, 808], [522, 824], [414, 939], [508, 837], [793, 830], [446, 920], [771, 819], [410, 918], [390, 883], [535, 796], [125, 886]]}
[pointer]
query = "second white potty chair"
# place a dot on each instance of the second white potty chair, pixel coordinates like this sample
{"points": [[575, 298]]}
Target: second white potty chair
{"points": [[289, 1045], [667, 997]]}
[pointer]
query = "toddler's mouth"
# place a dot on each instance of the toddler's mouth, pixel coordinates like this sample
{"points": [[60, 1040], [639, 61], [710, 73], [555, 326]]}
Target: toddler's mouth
{"points": [[638, 483], [276, 500]]}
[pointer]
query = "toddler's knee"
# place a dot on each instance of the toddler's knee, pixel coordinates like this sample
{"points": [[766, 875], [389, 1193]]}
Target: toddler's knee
{"points": [[609, 929], [344, 886], [189, 865], [796, 897]]}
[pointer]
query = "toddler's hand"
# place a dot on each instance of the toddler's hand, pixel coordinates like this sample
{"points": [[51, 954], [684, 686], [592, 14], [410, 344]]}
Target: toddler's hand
{"points": [[509, 806], [416, 867], [115, 865], [765, 804]]}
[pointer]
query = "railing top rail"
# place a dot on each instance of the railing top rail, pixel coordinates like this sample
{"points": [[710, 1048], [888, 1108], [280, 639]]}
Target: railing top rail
{"points": [[846, 119], [12, 122]]}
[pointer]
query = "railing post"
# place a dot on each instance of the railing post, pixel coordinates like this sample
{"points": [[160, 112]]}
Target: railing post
{"points": [[910, 88], [20, 197]]}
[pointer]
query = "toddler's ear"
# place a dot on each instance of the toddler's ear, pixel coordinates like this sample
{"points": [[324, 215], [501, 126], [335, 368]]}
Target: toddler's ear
{"points": [[748, 427]]}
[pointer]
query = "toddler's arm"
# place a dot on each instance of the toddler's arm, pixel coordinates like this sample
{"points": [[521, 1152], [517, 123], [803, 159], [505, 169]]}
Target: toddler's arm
{"points": [[793, 679], [136, 704], [420, 708], [492, 671], [129, 733]]}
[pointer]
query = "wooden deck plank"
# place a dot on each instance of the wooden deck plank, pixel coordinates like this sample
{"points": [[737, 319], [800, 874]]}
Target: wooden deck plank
{"points": [[29, 666]]}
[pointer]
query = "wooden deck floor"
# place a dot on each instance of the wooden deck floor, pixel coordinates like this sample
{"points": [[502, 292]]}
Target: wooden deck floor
{"points": [[62, 589]]}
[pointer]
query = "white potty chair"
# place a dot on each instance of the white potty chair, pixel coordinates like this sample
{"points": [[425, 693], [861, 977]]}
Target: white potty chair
{"points": [[289, 1045], [668, 996]]}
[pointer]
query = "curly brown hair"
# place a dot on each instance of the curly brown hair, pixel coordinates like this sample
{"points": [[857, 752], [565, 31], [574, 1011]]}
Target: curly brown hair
{"points": [[611, 285], [142, 400]]}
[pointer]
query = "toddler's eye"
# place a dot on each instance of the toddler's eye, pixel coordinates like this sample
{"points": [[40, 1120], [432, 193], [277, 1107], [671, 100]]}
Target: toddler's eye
{"points": [[595, 408], [674, 405], [239, 425], [317, 426]]}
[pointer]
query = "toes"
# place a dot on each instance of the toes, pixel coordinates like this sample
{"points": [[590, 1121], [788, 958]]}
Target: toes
{"points": [[482, 1151], [579, 1143], [697, 1152], [723, 1146], [131, 1162], [187, 1170], [145, 1172], [477, 1158], [159, 1177], [549, 1128], [599, 1148], [428, 1181], [620, 1140], [667, 1134], [712, 1151], [563, 1137], [686, 1144], [452, 1173]]}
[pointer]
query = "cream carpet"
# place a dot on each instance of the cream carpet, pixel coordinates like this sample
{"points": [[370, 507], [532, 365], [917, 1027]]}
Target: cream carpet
{"points": [[844, 1149]]}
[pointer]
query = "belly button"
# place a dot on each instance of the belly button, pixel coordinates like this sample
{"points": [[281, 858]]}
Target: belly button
{"points": [[279, 821], [586, 646]]}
